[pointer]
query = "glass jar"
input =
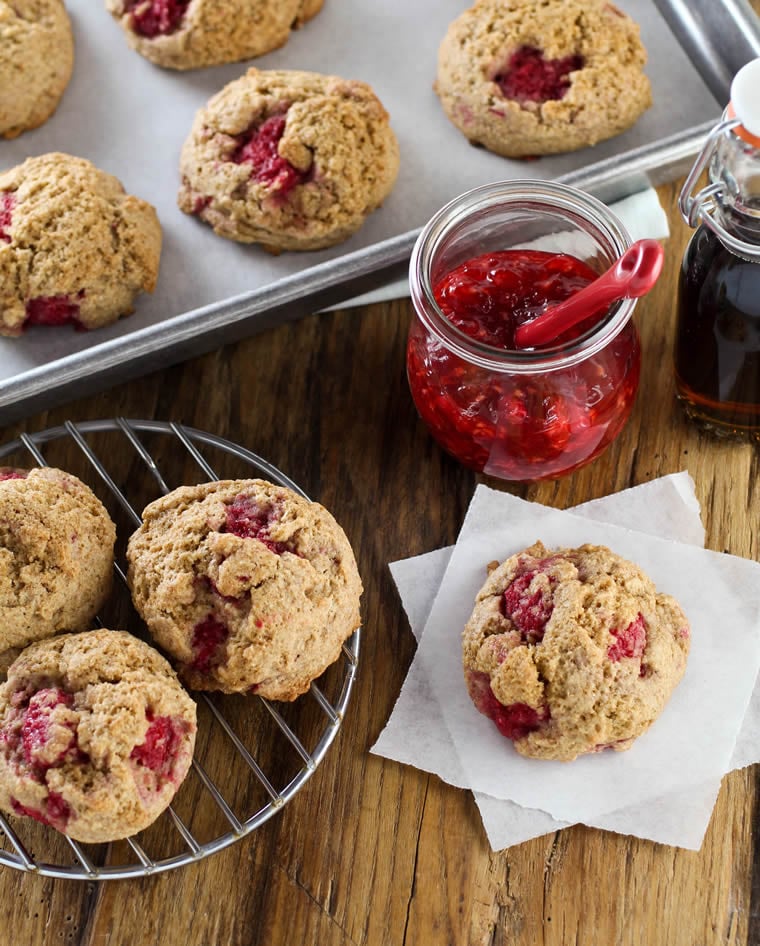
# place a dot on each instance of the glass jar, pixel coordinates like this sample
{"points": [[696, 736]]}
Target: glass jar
{"points": [[531, 414]]}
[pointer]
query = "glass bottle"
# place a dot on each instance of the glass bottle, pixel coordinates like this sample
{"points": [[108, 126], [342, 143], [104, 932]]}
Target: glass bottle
{"points": [[717, 349]]}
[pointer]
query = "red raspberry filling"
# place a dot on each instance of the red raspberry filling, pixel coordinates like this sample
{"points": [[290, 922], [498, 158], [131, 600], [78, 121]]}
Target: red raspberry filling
{"points": [[56, 814], [529, 77], [259, 149], [54, 310], [40, 725], [514, 721], [528, 612], [200, 203], [7, 203], [247, 519], [518, 719], [8, 473], [630, 641], [162, 743], [209, 635], [151, 18], [35, 729]]}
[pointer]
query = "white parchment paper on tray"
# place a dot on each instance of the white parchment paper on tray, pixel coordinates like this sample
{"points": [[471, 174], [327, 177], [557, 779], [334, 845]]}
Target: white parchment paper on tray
{"points": [[131, 119]]}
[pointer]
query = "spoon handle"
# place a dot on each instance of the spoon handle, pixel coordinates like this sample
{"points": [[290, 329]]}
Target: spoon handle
{"points": [[630, 277]]}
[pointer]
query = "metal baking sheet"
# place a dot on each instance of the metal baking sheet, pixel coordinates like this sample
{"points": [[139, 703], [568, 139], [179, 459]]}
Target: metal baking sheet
{"points": [[131, 118]]}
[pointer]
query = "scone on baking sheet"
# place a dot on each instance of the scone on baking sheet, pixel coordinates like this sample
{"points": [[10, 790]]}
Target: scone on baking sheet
{"points": [[571, 651], [290, 160], [248, 586], [56, 556], [525, 79], [188, 34], [96, 735], [36, 60], [75, 249]]}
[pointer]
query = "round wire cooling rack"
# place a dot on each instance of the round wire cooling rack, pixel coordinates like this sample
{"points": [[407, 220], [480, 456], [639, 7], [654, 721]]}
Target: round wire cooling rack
{"points": [[261, 778]]}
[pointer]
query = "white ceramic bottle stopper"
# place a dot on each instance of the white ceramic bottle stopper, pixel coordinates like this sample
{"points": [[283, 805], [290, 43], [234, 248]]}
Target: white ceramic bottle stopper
{"points": [[745, 100]]}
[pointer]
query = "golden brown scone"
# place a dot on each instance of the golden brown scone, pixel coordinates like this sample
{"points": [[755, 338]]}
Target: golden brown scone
{"points": [[290, 160], [96, 735], [56, 556], [248, 586], [75, 249], [523, 78], [36, 60], [189, 34], [572, 651]]}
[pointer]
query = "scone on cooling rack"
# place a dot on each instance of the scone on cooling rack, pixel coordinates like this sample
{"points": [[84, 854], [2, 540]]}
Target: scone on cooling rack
{"points": [[96, 735], [75, 249], [571, 651], [248, 586], [189, 34], [525, 79], [36, 60], [56, 556], [290, 160]]}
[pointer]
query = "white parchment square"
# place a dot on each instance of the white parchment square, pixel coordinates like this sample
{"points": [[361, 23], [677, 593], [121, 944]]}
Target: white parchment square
{"points": [[693, 740], [668, 505], [416, 733]]}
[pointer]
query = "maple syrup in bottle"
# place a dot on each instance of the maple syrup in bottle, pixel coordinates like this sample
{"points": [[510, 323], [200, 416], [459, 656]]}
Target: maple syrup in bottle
{"points": [[717, 351]]}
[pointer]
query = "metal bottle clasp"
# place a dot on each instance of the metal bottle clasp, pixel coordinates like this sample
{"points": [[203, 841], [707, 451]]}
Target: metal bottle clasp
{"points": [[700, 207]]}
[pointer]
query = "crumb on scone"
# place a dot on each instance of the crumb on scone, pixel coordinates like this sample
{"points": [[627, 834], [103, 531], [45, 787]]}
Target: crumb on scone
{"points": [[190, 34], [290, 160], [36, 60], [525, 79], [96, 735], [56, 556], [571, 651], [246, 585], [75, 249]]}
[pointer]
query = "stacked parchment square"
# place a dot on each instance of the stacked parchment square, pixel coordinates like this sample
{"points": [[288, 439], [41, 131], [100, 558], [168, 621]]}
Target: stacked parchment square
{"points": [[665, 786]]}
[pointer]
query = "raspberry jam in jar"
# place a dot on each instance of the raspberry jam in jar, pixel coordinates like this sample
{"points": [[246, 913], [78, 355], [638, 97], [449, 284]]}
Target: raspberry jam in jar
{"points": [[488, 261]]}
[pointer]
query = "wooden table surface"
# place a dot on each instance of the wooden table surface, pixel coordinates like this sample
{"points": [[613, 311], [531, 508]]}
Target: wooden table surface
{"points": [[372, 853]]}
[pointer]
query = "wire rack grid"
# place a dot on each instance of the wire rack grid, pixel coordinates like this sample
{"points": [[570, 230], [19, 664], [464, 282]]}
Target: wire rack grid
{"points": [[81, 864]]}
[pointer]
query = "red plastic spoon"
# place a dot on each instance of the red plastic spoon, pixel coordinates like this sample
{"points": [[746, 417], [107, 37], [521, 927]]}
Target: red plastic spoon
{"points": [[632, 276]]}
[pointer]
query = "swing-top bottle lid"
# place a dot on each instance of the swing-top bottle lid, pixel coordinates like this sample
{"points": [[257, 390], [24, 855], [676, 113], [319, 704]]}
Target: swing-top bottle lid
{"points": [[730, 203], [745, 102]]}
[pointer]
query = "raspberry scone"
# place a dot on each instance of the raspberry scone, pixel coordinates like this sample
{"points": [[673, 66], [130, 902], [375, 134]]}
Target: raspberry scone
{"points": [[248, 586], [75, 249], [524, 78], [290, 160], [189, 34], [56, 556], [36, 59], [572, 651], [96, 735]]}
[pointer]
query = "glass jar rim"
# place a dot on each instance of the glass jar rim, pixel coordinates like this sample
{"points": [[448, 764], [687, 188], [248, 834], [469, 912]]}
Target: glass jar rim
{"points": [[552, 195]]}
